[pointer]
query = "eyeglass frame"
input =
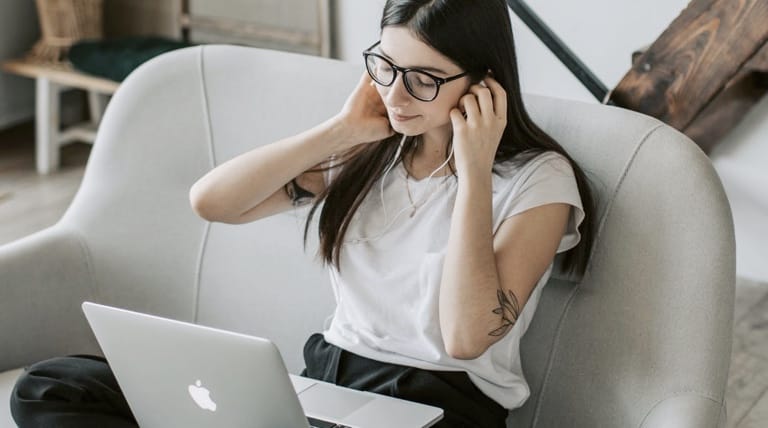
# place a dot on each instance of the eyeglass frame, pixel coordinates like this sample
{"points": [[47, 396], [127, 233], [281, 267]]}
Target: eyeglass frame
{"points": [[439, 81]]}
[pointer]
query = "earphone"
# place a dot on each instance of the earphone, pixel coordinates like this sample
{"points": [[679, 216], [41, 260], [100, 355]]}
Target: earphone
{"points": [[383, 205]]}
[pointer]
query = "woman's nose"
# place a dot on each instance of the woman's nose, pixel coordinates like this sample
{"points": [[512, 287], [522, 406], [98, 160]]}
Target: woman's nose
{"points": [[397, 94]]}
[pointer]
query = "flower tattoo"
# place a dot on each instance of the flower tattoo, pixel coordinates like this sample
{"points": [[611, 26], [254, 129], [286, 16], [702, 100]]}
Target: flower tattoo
{"points": [[509, 309]]}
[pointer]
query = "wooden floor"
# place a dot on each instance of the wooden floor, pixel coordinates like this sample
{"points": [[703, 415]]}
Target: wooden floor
{"points": [[29, 202]]}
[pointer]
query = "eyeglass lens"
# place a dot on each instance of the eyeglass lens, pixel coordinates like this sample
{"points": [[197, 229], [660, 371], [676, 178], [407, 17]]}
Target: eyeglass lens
{"points": [[418, 84]]}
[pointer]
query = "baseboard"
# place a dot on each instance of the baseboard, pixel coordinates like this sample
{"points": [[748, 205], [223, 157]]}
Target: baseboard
{"points": [[16, 117]]}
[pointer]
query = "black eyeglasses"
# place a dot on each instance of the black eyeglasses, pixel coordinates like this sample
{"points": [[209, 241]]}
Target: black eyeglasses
{"points": [[421, 85]]}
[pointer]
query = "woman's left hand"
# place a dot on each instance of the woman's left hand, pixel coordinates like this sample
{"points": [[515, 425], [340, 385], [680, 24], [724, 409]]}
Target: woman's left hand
{"points": [[477, 136]]}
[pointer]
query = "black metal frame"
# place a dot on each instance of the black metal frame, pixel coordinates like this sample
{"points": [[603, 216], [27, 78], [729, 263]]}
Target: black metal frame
{"points": [[439, 81], [561, 51]]}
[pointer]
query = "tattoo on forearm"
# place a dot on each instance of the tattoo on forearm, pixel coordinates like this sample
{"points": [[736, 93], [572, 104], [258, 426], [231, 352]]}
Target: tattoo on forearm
{"points": [[509, 309]]}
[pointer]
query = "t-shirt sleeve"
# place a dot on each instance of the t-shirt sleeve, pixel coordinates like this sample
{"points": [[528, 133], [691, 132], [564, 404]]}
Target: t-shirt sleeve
{"points": [[545, 179]]}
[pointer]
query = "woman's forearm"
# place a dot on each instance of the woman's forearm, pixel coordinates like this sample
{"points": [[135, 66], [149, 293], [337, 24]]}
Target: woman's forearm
{"points": [[236, 186], [239, 190], [470, 281]]}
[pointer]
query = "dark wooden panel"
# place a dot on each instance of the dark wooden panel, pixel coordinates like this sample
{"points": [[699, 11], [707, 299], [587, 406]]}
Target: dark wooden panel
{"points": [[726, 110], [694, 59], [759, 61]]}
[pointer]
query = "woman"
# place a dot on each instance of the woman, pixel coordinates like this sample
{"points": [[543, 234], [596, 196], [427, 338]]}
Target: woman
{"points": [[443, 208]]}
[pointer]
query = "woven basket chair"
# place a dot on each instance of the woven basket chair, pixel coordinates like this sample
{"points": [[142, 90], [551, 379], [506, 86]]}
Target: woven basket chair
{"points": [[64, 22]]}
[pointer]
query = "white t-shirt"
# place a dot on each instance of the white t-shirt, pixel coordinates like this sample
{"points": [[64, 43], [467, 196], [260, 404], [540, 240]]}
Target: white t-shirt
{"points": [[388, 288]]}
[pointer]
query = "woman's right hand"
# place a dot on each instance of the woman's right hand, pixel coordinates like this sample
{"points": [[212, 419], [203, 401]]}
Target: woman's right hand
{"points": [[363, 118]]}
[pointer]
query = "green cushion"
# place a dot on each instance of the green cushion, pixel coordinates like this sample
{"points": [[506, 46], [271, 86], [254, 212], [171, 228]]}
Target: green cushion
{"points": [[117, 58]]}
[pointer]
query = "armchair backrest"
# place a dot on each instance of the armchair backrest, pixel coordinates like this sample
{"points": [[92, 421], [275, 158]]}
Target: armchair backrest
{"points": [[644, 338], [649, 321]]}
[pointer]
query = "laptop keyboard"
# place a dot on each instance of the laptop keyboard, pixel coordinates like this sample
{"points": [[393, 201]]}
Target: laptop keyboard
{"points": [[315, 423]]}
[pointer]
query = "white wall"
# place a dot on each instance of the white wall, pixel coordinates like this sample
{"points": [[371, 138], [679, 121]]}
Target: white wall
{"points": [[603, 34], [18, 32], [356, 26]]}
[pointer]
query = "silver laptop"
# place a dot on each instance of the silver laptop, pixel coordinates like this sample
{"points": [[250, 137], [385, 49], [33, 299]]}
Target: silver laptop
{"points": [[186, 375]]}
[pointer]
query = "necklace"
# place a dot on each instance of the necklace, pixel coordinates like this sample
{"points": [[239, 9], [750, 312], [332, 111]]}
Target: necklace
{"points": [[423, 201], [410, 198]]}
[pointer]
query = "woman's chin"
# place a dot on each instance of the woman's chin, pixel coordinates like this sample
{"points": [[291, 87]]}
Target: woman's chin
{"points": [[404, 129]]}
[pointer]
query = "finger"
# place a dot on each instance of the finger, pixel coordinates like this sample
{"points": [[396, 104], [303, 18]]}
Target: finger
{"points": [[484, 99], [366, 83], [365, 78], [499, 96], [469, 102], [367, 87], [457, 118]]}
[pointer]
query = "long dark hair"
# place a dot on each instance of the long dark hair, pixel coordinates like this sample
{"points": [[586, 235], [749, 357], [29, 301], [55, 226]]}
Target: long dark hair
{"points": [[477, 36]]}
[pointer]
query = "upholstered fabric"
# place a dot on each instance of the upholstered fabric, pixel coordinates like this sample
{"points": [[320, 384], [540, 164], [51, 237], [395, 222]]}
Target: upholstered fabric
{"points": [[643, 339], [7, 380]]}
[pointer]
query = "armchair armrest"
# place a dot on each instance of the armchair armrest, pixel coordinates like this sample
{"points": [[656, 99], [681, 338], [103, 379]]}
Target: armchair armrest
{"points": [[688, 410], [44, 277]]}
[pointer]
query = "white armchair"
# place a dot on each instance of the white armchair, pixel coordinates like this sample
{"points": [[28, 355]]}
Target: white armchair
{"points": [[643, 339]]}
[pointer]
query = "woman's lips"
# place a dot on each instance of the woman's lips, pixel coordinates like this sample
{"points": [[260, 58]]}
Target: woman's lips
{"points": [[401, 118]]}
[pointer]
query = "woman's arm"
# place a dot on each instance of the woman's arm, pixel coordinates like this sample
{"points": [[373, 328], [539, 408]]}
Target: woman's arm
{"points": [[487, 279], [251, 186]]}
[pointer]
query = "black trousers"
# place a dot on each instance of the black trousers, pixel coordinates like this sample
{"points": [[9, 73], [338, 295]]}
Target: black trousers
{"points": [[463, 403], [64, 392], [81, 392]]}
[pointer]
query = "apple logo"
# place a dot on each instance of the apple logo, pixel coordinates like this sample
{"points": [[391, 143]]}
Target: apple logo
{"points": [[202, 396]]}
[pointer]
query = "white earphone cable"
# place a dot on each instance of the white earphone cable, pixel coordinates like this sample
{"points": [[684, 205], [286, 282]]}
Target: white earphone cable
{"points": [[389, 224]]}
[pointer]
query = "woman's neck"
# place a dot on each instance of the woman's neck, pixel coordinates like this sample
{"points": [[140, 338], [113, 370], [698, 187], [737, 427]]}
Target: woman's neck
{"points": [[430, 152]]}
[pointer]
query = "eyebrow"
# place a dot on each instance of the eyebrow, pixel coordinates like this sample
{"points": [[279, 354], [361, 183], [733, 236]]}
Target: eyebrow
{"points": [[432, 69]]}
